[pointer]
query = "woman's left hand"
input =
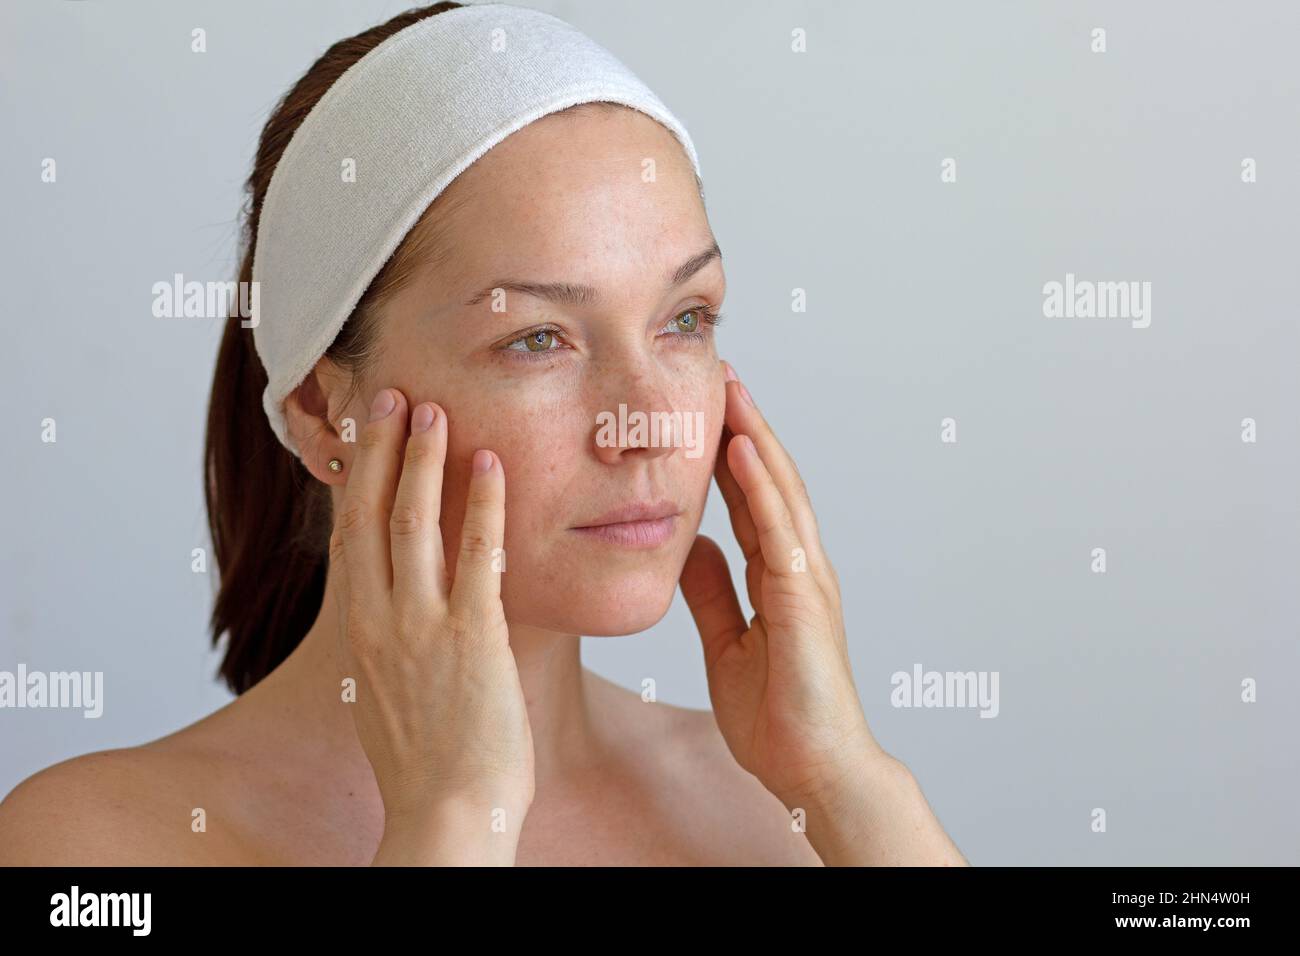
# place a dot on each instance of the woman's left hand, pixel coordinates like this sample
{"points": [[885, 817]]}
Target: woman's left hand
{"points": [[781, 684]]}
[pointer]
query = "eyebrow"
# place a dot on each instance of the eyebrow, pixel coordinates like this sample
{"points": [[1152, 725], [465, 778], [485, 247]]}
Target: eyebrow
{"points": [[576, 294]]}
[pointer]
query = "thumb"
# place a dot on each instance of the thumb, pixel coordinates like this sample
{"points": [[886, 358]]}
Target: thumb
{"points": [[706, 586]]}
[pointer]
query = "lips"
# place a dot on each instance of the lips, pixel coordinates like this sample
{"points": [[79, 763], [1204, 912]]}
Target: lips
{"points": [[637, 511], [638, 525]]}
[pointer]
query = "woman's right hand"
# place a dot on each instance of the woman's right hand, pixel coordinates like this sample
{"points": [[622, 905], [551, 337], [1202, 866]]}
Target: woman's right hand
{"points": [[439, 708]]}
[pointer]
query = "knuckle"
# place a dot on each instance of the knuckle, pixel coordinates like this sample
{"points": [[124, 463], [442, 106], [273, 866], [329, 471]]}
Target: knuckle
{"points": [[781, 531], [785, 520], [475, 539], [479, 498], [800, 486], [407, 520], [768, 525], [372, 436], [354, 516], [418, 453]]}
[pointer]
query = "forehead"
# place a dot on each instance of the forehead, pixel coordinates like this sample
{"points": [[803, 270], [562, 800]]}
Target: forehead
{"points": [[610, 182]]}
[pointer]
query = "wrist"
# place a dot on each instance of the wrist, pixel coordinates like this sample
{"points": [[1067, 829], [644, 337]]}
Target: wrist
{"points": [[842, 809], [877, 815], [856, 762]]}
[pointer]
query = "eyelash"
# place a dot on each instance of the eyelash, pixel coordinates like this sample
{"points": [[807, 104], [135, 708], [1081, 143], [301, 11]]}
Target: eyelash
{"points": [[709, 317]]}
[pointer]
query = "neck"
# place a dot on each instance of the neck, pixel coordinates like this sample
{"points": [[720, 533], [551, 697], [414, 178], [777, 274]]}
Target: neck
{"points": [[558, 692]]}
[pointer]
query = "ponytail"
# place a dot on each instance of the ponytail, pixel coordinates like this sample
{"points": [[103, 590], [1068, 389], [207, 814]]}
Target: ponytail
{"points": [[269, 518]]}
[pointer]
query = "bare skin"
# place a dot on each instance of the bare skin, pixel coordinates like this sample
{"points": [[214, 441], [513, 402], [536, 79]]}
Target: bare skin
{"points": [[277, 791], [586, 772]]}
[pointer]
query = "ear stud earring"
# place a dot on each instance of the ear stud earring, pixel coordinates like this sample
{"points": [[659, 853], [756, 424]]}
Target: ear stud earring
{"points": [[335, 465]]}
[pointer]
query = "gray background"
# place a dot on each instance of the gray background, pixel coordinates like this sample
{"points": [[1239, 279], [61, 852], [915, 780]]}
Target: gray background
{"points": [[1119, 691]]}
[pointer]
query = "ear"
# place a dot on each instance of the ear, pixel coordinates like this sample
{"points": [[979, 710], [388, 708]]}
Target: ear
{"points": [[307, 412]]}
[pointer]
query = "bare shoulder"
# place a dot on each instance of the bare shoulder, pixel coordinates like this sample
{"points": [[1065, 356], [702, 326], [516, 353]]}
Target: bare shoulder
{"points": [[132, 806], [753, 827], [719, 810]]}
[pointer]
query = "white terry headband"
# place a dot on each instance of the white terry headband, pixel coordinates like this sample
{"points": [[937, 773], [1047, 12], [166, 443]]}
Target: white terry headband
{"points": [[413, 113]]}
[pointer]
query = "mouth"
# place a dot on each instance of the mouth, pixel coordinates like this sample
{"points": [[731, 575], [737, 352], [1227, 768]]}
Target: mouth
{"points": [[638, 525]]}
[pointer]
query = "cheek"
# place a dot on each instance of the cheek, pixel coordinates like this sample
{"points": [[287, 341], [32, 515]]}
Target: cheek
{"points": [[715, 409], [710, 397], [530, 432], [705, 393], [535, 436]]}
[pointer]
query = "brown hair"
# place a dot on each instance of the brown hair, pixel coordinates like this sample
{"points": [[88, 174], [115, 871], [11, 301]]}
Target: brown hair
{"points": [[269, 519]]}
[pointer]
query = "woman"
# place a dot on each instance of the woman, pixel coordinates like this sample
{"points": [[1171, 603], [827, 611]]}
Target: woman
{"points": [[404, 583]]}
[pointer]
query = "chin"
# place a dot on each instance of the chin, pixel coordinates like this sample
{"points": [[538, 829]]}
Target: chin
{"points": [[602, 605]]}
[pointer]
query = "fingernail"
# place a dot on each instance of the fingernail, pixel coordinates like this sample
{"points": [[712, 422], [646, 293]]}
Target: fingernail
{"points": [[423, 418], [744, 393], [383, 404], [729, 372], [482, 461]]}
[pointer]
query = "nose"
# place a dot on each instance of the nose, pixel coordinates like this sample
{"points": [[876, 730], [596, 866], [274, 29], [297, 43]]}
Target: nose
{"points": [[637, 420]]}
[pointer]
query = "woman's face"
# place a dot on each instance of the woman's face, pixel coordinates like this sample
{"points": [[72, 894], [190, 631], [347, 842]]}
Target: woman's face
{"points": [[571, 201]]}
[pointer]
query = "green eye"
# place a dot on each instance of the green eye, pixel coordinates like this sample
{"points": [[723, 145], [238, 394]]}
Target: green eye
{"points": [[691, 324], [539, 341], [536, 344], [688, 324]]}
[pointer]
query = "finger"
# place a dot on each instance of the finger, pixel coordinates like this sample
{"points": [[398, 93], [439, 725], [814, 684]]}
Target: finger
{"points": [[706, 586], [744, 418], [416, 537], [777, 537], [338, 572], [476, 591], [367, 500], [742, 524]]}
